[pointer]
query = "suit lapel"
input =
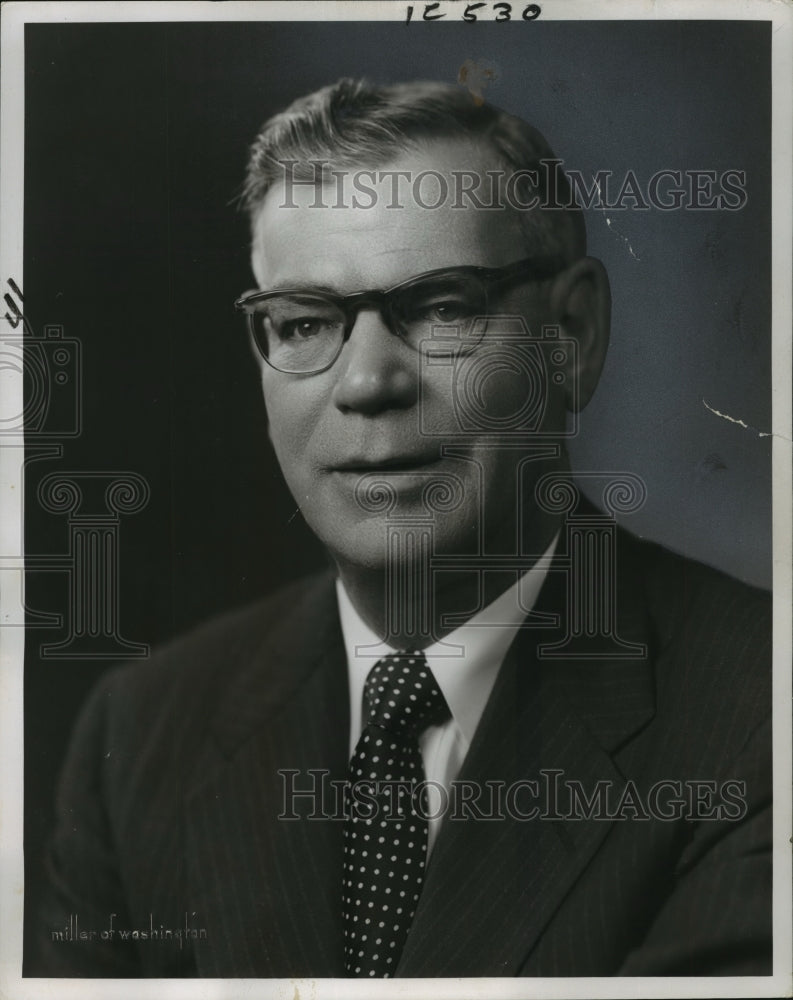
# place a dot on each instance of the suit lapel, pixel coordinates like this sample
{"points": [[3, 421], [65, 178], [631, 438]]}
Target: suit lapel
{"points": [[270, 887], [492, 886]]}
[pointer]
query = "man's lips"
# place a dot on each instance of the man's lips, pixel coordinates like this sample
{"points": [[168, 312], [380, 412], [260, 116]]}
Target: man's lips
{"points": [[393, 463]]}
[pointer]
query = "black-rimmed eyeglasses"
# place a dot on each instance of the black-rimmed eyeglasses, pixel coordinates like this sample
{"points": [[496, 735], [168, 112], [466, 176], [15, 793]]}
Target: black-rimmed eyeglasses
{"points": [[301, 331]]}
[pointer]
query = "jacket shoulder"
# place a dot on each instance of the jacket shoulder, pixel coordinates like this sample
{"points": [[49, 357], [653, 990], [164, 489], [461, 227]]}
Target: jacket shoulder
{"points": [[711, 634], [685, 594]]}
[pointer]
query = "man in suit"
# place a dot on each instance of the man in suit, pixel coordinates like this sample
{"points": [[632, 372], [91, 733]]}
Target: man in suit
{"points": [[502, 737]]}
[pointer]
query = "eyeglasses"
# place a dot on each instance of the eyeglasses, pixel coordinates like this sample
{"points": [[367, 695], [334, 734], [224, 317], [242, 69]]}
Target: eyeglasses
{"points": [[301, 331]]}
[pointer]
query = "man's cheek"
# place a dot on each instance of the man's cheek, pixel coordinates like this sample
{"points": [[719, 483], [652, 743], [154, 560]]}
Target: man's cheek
{"points": [[436, 415], [286, 452], [277, 414], [486, 394]]}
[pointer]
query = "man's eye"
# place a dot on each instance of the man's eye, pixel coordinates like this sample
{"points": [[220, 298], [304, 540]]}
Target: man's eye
{"points": [[449, 311], [303, 328]]}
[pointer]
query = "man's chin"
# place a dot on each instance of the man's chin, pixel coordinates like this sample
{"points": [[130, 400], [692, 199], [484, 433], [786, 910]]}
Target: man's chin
{"points": [[379, 544], [361, 545]]}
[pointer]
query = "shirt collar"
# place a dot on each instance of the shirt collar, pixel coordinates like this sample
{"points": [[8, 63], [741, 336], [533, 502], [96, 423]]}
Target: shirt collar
{"points": [[465, 662]]}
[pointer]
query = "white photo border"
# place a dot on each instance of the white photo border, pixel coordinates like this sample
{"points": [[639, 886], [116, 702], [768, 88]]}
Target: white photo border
{"points": [[14, 17]]}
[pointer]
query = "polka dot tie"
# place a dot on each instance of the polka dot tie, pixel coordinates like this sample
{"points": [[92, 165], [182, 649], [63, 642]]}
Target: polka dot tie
{"points": [[385, 833]]}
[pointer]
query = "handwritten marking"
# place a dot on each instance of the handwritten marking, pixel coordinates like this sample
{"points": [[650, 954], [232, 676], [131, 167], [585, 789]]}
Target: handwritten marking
{"points": [[18, 316], [498, 12]]}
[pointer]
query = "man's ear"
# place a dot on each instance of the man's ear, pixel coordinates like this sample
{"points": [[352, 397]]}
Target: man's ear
{"points": [[581, 305]]}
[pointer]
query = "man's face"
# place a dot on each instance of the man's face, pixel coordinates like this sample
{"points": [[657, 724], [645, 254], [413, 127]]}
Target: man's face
{"points": [[381, 413]]}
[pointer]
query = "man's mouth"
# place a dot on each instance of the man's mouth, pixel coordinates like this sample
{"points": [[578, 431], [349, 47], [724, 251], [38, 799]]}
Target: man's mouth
{"points": [[389, 464]]}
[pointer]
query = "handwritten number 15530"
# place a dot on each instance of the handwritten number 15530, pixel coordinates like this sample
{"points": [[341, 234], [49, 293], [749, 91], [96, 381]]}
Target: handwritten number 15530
{"points": [[473, 12]]}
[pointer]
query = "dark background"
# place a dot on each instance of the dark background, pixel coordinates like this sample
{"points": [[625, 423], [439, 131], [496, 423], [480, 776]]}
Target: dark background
{"points": [[136, 139]]}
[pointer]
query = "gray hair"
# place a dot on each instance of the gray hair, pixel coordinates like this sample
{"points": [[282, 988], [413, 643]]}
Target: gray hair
{"points": [[352, 122]]}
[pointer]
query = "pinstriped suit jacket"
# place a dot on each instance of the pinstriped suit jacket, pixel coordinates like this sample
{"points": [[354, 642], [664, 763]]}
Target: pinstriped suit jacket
{"points": [[170, 798]]}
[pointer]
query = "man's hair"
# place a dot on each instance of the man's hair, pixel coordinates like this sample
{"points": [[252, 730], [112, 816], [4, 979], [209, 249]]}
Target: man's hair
{"points": [[354, 123]]}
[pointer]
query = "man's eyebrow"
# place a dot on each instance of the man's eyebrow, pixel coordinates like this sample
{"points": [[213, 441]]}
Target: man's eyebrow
{"points": [[303, 286], [399, 250]]}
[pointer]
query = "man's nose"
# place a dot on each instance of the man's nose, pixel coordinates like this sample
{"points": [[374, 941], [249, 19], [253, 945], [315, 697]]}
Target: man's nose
{"points": [[376, 370]]}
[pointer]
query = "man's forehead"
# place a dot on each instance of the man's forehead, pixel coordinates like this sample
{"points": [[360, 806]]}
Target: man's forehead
{"points": [[446, 156], [406, 213]]}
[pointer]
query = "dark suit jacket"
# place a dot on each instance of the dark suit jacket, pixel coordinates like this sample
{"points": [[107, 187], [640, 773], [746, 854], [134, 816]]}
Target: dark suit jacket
{"points": [[169, 801]]}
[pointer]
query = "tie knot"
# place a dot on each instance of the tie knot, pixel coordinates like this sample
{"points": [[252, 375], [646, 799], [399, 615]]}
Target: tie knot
{"points": [[402, 695]]}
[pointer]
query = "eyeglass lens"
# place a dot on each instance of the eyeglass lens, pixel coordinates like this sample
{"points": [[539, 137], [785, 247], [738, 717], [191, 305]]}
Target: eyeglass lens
{"points": [[304, 332]]}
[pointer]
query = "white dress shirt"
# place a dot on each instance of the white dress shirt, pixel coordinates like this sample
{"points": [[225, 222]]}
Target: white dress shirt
{"points": [[465, 678]]}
